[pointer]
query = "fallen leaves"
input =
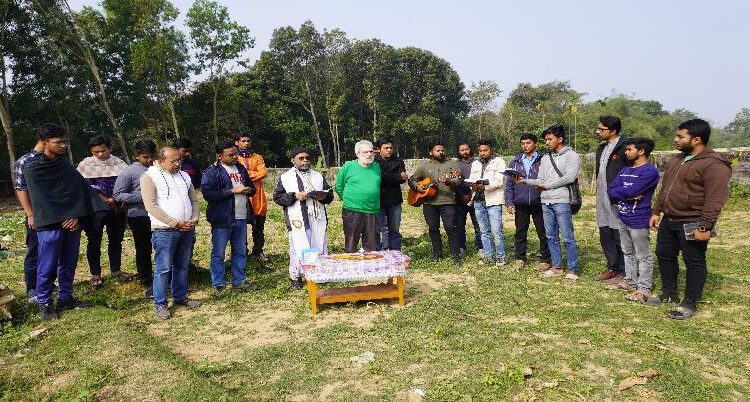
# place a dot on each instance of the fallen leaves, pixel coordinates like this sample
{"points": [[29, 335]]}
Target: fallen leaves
{"points": [[640, 379]]}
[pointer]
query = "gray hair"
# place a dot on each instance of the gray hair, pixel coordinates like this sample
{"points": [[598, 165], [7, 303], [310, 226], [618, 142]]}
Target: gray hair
{"points": [[361, 144], [163, 152]]}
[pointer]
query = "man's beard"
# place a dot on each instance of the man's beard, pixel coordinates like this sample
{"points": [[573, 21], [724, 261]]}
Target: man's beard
{"points": [[440, 158], [686, 149], [303, 168]]}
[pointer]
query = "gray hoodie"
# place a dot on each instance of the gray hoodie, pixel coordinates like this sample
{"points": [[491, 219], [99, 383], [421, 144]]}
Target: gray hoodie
{"points": [[128, 190], [556, 191]]}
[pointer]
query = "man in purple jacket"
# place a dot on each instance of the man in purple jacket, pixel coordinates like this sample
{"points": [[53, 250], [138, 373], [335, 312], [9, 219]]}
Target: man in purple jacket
{"points": [[525, 202], [632, 190]]}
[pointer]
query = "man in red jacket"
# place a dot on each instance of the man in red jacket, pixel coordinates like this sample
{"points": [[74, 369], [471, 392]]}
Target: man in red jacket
{"points": [[694, 189]]}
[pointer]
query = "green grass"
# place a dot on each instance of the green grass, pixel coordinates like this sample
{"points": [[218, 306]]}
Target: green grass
{"points": [[467, 333]]}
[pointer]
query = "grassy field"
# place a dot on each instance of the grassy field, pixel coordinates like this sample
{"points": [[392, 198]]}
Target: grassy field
{"points": [[469, 333]]}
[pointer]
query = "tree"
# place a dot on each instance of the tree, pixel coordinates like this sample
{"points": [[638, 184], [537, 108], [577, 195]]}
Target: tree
{"points": [[481, 98], [218, 41]]}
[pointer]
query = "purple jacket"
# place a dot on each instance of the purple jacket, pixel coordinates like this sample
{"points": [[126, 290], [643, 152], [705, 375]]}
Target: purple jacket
{"points": [[629, 183], [523, 194]]}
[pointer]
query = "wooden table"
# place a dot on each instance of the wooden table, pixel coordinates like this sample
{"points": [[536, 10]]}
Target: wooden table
{"points": [[391, 268]]}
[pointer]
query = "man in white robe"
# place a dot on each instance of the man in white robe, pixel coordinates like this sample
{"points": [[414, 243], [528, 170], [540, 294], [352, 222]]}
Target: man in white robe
{"points": [[303, 193]]}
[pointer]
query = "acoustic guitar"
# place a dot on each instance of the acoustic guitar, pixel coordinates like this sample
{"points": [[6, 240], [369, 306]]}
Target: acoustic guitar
{"points": [[417, 198]]}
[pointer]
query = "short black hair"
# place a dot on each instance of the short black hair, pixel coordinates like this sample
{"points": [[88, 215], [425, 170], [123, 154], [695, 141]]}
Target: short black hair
{"points": [[459, 145], [222, 145], [697, 128], [486, 142], [242, 135], [611, 122], [183, 142], [529, 136], [642, 144], [436, 143], [97, 140], [145, 147], [558, 130], [382, 141], [298, 150], [48, 131]]}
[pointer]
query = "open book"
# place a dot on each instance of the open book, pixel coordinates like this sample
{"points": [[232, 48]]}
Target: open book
{"points": [[477, 181], [512, 172]]}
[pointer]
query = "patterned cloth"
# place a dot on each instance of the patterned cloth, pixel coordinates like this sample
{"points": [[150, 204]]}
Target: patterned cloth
{"points": [[19, 180], [329, 269], [101, 175]]}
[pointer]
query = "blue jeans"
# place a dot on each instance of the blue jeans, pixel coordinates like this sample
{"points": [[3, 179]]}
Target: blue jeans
{"points": [[389, 223], [58, 257], [557, 218], [490, 220], [236, 235], [173, 249]]}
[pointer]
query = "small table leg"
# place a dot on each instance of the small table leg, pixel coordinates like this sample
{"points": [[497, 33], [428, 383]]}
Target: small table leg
{"points": [[400, 285], [312, 294]]}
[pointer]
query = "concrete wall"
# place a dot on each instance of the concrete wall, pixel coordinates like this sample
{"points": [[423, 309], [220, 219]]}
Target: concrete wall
{"points": [[739, 156]]}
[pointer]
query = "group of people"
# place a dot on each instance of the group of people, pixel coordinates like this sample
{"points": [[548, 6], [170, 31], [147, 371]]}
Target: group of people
{"points": [[541, 186], [156, 197]]}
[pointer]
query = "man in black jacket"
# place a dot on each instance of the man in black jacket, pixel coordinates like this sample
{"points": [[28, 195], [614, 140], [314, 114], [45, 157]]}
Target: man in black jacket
{"points": [[610, 158], [393, 174]]}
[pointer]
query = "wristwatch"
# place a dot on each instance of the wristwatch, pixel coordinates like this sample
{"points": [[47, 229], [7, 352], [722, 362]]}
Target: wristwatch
{"points": [[702, 228]]}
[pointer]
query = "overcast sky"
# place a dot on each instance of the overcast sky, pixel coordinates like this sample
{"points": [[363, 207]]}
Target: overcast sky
{"points": [[686, 54]]}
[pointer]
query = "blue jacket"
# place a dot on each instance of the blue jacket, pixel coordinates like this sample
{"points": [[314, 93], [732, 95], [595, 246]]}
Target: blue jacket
{"points": [[217, 191], [523, 194]]}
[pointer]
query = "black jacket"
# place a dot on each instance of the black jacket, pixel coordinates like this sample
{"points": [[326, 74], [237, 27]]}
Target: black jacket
{"points": [[390, 179], [286, 197], [217, 191], [617, 160]]}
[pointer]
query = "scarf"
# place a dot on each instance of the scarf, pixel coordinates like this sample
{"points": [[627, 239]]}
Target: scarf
{"points": [[245, 153], [92, 167], [58, 192]]}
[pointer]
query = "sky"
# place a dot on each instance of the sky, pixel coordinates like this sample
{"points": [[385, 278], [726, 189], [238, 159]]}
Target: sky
{"points": [[686, 54]]}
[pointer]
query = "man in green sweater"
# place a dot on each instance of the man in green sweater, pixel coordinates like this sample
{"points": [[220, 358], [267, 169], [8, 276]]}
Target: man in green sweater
{"points": [[358, 185], [447, 174]]}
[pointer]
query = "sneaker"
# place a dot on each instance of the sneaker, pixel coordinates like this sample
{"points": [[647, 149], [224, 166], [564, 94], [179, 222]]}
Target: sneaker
{"points": [[519, 264], [148, 292], [260, 256], [655, 300], [457, 261], [500, 261], [606, 275], [73, 304], [48, 313], [553, 272], [245, 287], [162, 313], [486, 260], [297, 283], [96, 280], [572, 276], [543, 266], [186, 302]]}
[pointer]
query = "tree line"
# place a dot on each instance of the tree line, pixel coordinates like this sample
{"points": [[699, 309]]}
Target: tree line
{"points": [[126, 70]]}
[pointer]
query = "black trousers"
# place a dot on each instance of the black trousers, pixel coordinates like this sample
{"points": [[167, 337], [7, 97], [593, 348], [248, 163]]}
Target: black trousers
{"points": [[140, 226], [94, 226], [523, 216], [358, 225], [432, 215], [259, 238], [610, 241], [462, 211], [30, 260], [670, 241]]}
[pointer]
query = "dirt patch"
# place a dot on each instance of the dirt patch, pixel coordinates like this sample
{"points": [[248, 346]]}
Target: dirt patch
{"points": [[329, 390], [64, 380], [420, 283], [519, 319]]}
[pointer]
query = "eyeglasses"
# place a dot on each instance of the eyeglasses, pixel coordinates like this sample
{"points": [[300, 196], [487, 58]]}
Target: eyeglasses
{"points": [[602, 129]]}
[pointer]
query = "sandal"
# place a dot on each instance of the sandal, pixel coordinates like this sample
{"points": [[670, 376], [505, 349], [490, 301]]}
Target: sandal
{"points": [[619, 286], [122, 275], [638, 296], [96, 280]]}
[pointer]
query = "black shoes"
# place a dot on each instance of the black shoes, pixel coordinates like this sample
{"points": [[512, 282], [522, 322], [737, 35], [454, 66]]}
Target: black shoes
{"points": [[297, 283], [72, 304], [48, 313]]}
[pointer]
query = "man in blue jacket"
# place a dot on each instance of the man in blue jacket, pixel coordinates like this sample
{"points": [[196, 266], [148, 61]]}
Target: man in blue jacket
{"points": [[525, 202], [227, 187]]}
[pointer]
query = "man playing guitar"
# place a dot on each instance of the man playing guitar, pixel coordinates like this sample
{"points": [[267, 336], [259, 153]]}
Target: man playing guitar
{"points": [[447, 174]]}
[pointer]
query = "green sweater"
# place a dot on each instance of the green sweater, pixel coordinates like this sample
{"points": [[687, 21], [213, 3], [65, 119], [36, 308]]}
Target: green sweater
{"points": [[359, 187]]}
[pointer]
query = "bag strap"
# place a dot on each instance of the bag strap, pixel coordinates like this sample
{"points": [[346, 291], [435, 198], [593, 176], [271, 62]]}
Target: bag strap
{"points": [[554, 165]]}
